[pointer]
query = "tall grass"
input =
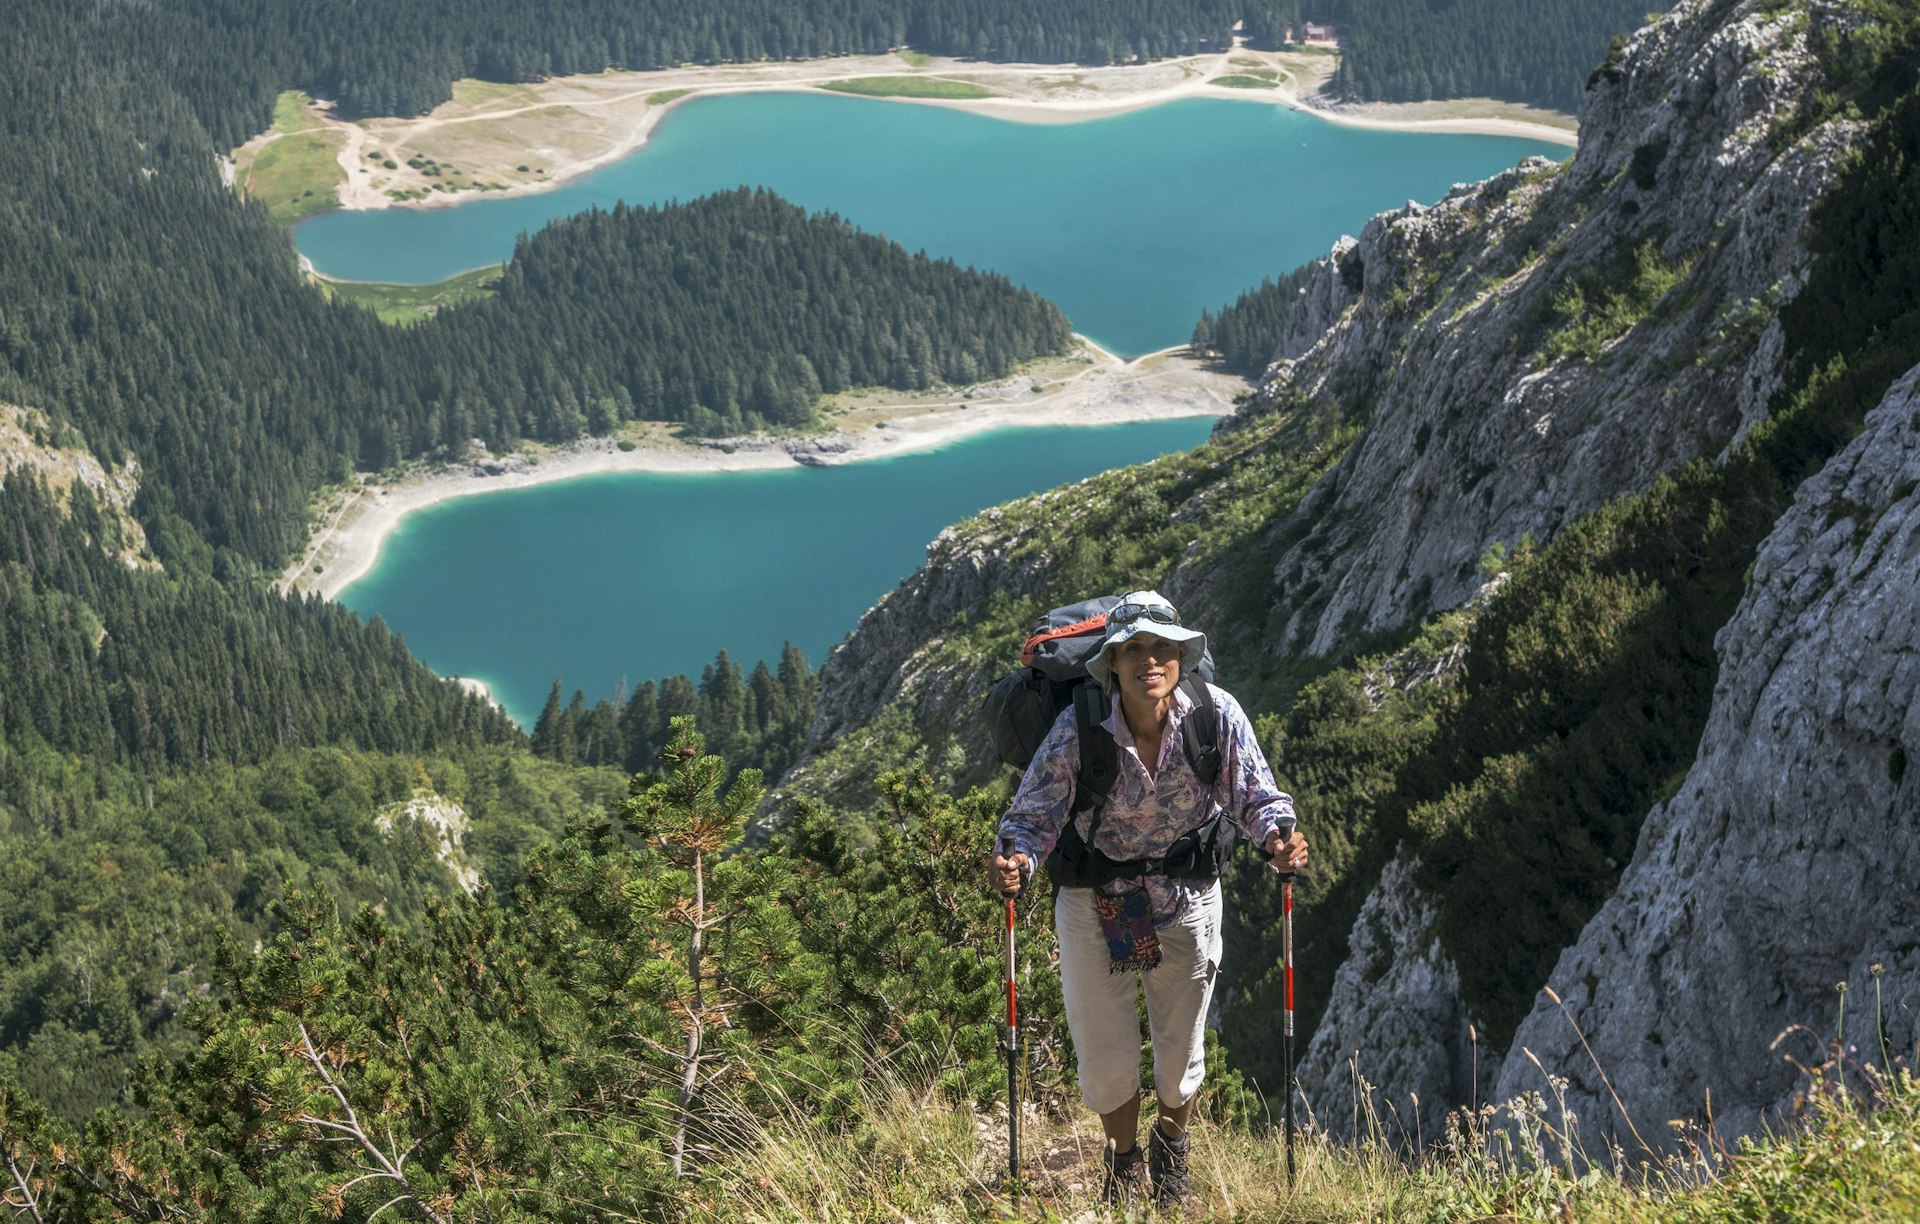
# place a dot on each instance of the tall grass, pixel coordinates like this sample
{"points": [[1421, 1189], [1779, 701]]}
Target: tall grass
{"points": [[907, 1151]]}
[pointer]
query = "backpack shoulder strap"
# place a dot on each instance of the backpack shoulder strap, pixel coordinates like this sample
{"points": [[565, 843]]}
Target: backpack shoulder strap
{"points": [[1200, 733], [1099, 755]]}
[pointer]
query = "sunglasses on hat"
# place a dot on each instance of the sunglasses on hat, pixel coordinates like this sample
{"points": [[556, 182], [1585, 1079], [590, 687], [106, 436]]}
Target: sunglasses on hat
{"points": [[1128, 612]]}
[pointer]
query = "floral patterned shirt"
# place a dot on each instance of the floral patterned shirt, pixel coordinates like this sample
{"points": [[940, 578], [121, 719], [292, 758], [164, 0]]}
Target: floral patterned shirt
{"points": [[1145, 813]]}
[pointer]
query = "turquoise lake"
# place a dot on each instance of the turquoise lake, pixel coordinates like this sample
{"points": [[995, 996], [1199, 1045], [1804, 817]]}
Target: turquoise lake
{"points": [[1132, 223], [637, 576]]}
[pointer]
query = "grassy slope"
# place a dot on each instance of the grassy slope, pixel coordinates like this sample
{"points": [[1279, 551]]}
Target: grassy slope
{"points": [[471, 92]]}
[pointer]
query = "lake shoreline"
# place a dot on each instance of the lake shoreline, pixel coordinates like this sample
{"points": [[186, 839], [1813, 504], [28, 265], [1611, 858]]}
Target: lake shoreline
{"points": [[355, 521], [573, 125]]}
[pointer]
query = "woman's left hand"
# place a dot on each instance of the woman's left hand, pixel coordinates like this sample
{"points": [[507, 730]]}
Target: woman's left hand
{"points": [[1288, 854]]}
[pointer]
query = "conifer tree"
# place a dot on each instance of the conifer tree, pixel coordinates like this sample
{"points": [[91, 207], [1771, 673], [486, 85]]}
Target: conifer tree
{"points": [[799, 684], [723, 704], [597, 740], [691, 821], [678, 699], [32, 1145], [637, 724], [1202, 340], [546, 728], [765, 710]]}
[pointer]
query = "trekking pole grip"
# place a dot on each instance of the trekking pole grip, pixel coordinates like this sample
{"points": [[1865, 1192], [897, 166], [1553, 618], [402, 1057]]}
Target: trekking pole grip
{"points": [[1006, 852]]}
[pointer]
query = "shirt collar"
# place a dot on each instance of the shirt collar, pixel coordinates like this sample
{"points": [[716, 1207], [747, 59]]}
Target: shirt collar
{"points": [[1116, 722]]}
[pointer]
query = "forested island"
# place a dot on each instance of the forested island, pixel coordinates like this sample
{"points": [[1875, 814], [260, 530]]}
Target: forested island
{"points": [[726, 314]]}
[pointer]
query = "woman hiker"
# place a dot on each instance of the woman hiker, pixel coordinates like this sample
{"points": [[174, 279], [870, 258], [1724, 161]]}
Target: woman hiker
{"points": [[1157, 930]]}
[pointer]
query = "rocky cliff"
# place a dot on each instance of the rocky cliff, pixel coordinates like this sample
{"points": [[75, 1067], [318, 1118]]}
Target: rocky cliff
{"points": [[30, 446], [899, 660], [1781, 868], [1534, 345], [1689, 988], [1401, 1049]]}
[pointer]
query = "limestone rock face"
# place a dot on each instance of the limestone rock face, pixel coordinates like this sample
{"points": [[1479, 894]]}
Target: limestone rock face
{"points": [[1323, 300], [1484, 430], [1440, 322], [511, 465], [1395, 1021], [439, 822], [1782, 865], [28, 446], [862, 674]]}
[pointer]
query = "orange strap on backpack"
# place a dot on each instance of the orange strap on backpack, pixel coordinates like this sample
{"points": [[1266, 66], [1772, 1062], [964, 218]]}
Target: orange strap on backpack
{"points": [[1075, 630]]}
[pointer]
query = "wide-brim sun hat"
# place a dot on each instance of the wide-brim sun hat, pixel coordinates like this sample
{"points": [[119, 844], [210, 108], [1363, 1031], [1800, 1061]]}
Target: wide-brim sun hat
{"points": [[1141, 612]]}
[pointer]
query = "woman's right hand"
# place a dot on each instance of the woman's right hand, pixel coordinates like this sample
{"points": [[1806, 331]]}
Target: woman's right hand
{"points": [[1006, 875]]}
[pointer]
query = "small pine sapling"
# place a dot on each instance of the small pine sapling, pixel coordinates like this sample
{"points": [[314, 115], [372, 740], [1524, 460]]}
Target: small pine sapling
{"points": [[690, 821]]}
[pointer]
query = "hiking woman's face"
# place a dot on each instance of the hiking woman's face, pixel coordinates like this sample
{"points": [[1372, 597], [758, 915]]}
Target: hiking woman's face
{"points": [[1148, 667]]}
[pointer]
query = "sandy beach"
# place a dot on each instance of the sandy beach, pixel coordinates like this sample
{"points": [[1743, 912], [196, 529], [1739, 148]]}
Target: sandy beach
{"points": [[519, 139], [1089, 387]]}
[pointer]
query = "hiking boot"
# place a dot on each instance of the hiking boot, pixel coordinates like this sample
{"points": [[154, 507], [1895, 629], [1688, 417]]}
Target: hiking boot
{"points": [[1126, 1180], [1168, 1161]]}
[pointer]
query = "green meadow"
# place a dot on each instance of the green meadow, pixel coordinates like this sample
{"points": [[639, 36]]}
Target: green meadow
{"points": [[298, 173], [399, 304], [910, 87]]}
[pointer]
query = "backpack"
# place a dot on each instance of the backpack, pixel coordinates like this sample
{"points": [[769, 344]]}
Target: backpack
{"points": [[1024, 705]]}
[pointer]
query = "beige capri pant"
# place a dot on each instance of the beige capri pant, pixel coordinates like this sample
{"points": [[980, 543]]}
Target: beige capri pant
{"points": [[1101, 1005]]}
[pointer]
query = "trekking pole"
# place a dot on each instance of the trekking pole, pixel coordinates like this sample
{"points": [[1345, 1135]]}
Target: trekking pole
{"points": [[1013, 1050], [1286, 954]]}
